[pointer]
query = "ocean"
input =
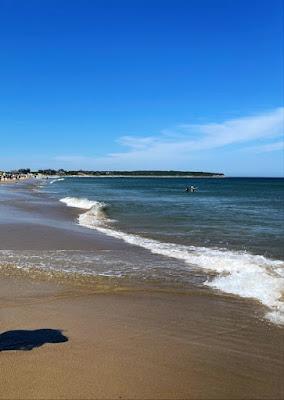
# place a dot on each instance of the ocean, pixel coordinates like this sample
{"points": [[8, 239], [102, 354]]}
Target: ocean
{"points": [[227, 237]]}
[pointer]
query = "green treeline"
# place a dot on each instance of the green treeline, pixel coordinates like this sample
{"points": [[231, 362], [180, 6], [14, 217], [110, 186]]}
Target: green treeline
{"points": [[129, 173]]}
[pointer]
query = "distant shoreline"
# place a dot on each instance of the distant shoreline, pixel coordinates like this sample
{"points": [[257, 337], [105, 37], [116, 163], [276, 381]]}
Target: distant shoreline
{"points": [[53, 173], [139, 176], [11, 181]]}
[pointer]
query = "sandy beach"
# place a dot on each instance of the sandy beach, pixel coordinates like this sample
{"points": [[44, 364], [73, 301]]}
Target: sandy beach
{"points": [[134, 345]]}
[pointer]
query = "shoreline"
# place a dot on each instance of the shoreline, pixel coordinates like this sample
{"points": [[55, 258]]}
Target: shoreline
{"points": [[9, 181]]}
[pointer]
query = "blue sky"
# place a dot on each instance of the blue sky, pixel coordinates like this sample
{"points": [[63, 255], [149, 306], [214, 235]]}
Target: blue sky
{"points": [[191, 85]]}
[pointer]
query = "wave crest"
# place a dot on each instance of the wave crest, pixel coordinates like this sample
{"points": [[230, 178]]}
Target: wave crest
{"points": [[238, 273], [96, 214], [56, 180]]}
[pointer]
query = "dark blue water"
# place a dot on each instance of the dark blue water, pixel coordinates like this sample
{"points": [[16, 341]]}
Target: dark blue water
{"points": [[240, 214]]}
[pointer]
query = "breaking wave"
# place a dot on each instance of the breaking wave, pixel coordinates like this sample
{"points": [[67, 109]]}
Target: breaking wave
{"points": [[56, 180], [95, 214], [239, 273]]}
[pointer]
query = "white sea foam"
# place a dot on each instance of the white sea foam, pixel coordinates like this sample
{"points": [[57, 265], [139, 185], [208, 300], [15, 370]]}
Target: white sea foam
{"points": [[239, 273], [95, 214], [56, 180], [76, 202]]}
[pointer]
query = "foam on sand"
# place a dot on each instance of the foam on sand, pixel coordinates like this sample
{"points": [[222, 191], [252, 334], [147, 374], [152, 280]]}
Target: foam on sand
{"points": [[239, 273]]}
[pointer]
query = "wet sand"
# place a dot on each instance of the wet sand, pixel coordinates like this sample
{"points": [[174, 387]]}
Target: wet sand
{"points": [[23, 236], [32, 221], [136, 345]]}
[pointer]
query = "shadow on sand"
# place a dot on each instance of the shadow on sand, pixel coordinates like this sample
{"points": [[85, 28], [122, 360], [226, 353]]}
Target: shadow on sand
{"points": [[28, 340]]}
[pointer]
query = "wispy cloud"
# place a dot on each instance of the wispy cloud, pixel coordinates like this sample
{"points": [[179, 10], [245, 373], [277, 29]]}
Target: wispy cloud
{"points": [[266, 148], [186, 142], [239, 130], [137, 143]]}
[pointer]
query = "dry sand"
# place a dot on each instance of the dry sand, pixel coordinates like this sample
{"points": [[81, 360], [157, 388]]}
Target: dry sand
{"points": [[137, 345]]}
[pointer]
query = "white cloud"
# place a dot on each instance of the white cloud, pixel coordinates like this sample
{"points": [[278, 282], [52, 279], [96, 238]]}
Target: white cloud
{"points": [[239, 130], [185, 144]]}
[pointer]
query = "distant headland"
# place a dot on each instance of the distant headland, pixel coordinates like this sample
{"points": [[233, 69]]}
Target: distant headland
{"points": [[26, 172]]}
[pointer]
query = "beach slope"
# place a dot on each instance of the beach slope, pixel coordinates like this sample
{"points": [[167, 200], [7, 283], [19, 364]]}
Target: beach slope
{"points": [[134, 345]]}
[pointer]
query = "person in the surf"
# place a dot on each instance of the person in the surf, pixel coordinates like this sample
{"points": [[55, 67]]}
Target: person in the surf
{"points": [[191, 189]]}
